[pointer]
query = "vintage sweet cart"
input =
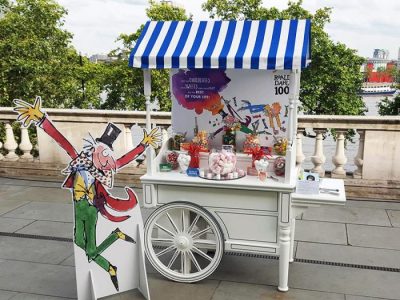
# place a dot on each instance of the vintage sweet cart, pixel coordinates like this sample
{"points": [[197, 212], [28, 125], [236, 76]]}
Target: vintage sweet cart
{"points": [[248, 72]]}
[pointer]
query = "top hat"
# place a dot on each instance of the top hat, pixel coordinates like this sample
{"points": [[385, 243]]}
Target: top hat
{"points": [[109, 135]]}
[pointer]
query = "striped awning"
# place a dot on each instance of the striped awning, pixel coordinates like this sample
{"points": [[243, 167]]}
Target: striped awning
{"points": [[266, 45]]}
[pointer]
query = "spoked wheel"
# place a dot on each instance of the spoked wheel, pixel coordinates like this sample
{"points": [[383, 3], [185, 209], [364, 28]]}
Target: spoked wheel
{"points": [[183, 242]]}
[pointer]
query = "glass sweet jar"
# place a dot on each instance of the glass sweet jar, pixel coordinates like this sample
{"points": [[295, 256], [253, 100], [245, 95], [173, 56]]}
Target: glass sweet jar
{"points": [[222, 162], [171, 157]]}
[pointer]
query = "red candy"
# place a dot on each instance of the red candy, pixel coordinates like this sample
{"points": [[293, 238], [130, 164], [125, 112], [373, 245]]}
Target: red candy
{"points": [[172, 158]]}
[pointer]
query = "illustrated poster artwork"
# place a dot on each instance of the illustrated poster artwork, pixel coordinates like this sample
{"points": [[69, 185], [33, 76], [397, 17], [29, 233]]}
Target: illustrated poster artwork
{"points": [[256, 99], [108, 231]]}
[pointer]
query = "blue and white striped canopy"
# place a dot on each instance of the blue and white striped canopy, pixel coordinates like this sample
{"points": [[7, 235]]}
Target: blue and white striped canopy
{"points": [[267, 45]]}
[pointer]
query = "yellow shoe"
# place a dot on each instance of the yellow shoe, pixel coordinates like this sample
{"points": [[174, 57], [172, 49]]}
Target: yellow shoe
{"points": [[123, 236], [113, 274]]}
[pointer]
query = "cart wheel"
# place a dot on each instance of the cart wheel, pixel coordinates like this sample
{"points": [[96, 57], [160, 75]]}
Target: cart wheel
{"points": [[183, 242]]}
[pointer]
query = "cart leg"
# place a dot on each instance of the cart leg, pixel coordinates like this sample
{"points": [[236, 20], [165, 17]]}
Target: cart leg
{"points": [[292, 230], [284, 254]]}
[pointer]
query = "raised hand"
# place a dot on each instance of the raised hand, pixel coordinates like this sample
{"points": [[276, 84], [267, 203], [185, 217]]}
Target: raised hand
{"points": [[152, 139], [27, 112]]}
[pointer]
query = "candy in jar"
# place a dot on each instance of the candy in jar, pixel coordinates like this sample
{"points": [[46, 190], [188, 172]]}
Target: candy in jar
{"points": [[222, 162], [172, 158], [279, 166]]}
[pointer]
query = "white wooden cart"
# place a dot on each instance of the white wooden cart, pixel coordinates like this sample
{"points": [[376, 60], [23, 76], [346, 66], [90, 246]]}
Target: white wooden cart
{"points": [[196, 220]]}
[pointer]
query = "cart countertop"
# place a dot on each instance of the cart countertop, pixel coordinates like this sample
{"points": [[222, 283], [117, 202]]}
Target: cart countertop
{"points": [[332, 198], [245, 183]]}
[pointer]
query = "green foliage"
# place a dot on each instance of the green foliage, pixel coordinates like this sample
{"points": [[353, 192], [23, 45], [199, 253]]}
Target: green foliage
{"points": [[124, 85], [34, 51], [38, 59], [166, 12], [332, 82], [389, 107]]}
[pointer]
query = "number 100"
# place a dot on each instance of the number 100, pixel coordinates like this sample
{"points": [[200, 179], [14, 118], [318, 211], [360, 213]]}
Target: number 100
{"points": [[279, 90]]}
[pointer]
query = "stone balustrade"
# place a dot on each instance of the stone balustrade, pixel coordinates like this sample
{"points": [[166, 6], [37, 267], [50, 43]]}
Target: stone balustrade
{"points": [[378, 145], [376, 159]]}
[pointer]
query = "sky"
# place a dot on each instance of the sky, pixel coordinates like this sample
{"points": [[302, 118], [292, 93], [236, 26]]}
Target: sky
{"points": [[360, 24]]}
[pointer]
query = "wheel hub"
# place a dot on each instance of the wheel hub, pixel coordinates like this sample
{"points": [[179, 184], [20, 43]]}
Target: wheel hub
{"points": [[183, 242]]}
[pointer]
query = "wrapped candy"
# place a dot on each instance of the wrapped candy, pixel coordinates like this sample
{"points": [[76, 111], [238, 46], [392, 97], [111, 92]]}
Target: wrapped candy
{"points": [[222, 163], [172, 158], [201, 139], [280, 145], [262, 166], [176, 141], [194, 152], [184, 161], [279, 166], [252, 142]]}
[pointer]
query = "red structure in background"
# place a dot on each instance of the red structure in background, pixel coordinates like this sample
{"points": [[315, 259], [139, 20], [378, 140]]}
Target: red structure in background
{"points": [[380, 76]]}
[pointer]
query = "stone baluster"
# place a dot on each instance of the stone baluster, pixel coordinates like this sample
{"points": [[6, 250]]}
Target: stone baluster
{"points": [[359, 159], [1, 155], [25, 146], [128, 141], [299, 147], [339, 159], [128, 138], [10, 144], [318, 159]]}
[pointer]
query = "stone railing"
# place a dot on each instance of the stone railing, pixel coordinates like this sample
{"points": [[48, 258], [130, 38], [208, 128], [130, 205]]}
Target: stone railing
{"points": [[75, 124], [375, 153]]}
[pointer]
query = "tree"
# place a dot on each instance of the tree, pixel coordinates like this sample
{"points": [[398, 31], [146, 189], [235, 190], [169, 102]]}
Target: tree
{"points": [[389, 106], [330, 85], [124, 85], [37, 59]]}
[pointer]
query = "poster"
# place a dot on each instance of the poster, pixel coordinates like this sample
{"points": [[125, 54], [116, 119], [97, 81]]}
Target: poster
{"points": [[208, 99], [108, 230]]}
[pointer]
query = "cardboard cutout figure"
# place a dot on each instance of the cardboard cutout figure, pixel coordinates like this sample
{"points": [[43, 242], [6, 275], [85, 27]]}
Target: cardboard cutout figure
{"points": [[89, 176]]}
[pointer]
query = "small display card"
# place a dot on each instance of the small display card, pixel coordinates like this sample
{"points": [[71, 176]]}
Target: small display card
{"points": [[194, 172], [308, 183]]}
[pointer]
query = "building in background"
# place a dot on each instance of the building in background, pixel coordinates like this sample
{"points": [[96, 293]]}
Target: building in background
{"points": [[380, 69], [101, 58]]}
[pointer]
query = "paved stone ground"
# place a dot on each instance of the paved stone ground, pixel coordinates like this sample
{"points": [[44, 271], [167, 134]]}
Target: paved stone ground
{"points": [[361, 233]]}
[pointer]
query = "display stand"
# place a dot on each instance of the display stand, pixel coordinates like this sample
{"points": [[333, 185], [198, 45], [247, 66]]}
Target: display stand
{"points": [[249, 71]]}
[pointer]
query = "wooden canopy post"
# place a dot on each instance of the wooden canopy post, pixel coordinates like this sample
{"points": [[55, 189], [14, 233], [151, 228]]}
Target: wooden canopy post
{"points": [[150, 154], [292, 128]]}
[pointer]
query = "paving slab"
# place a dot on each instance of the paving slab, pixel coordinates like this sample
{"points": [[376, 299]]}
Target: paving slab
{"points": [[239, 291], [9, 205], [46, 194], [39, 182], [50, 194], [33, 250], [45, 211], [48, 228], [69, 261], [129, 295], [355, 215], [37, 278], [349, 254], [351, 297], [374, 204], [162, 289], [359, 282], [24, 296], [6, 295], [320, 232], [374, 236], [394, 216], [12, 225], [247, 270], [11, 191]]}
